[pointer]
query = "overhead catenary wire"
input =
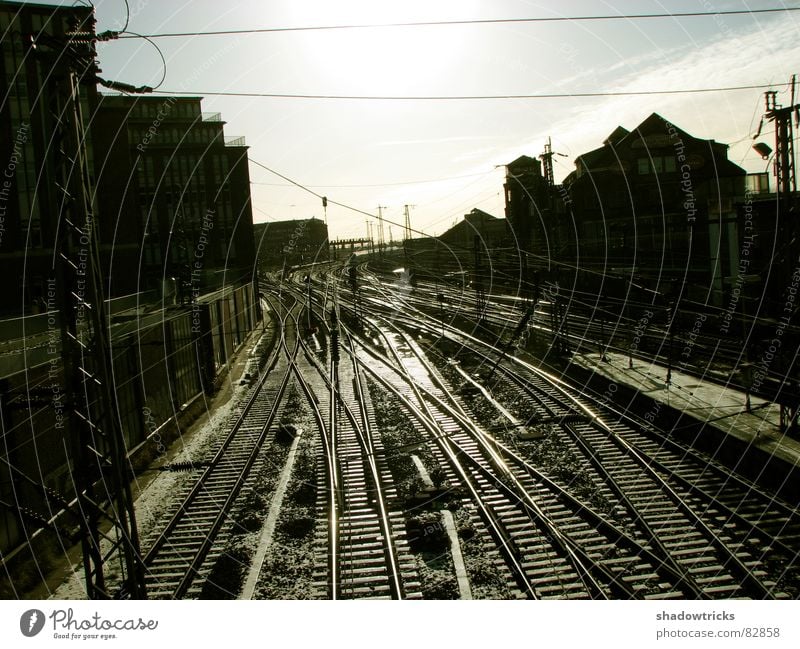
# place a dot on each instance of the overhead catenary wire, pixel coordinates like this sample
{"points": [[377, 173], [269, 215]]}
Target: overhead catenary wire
{"points": [[330, 201], [392, 184], [477, 21], [320, 196], [163, 62], [127, 16], [550, 95]]}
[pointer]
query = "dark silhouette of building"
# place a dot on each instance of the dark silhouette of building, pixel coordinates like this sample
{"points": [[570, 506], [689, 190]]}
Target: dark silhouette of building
{"points": [[289, 243], [527, 205], [491, 231], [174, 193], [166, 197], [768, 252], [657, 204], [34, 91]]}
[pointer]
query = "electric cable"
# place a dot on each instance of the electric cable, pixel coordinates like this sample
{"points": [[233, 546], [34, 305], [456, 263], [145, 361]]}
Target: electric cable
{"points": [[394, 184], [163, 61], [552, 95], [479, 21]]}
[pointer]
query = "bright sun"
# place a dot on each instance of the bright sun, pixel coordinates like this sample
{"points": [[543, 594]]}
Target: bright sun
{"points": [[385, 60]]}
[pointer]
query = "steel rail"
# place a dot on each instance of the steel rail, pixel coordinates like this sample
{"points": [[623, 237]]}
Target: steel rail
{"points": [[333, 484], [626, 417], [453, 451], [493, 446], [728, 557], [364, 435], [614, 533], [211, 531]]}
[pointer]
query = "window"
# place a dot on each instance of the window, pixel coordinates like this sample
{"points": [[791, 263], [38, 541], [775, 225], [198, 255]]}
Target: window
{"points": [[656, 164]]}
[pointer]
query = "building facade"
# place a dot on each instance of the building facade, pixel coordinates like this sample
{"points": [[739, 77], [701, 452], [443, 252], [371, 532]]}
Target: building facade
{"points": [[175, 196], [37, 73], [490, 231], [166, 197], [289, 243], [657, 204], [527, 205]]}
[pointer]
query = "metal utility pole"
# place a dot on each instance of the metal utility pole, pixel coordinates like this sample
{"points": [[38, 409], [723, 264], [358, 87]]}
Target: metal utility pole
{"points": [[552, 196], [380, 229], [480, 295], [603, 345], [547, 164], [407, 223], [670, 329], [784, 141], [327, 234], [630, 333], [100, 468], [310, 303], [523, 323], [560, 326]]}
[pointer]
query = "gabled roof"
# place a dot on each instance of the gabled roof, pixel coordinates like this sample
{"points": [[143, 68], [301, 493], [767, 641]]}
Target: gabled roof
{"points": [[616, 135], [480, 215], [655, 123], [591, 157], [475, 222], [522, 160], [653, 126]]}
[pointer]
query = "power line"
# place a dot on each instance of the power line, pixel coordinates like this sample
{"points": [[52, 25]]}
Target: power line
{"points": [[394, 184], [484, 21], [554, 95], [127, 16], [330, 201], [160, 53]]}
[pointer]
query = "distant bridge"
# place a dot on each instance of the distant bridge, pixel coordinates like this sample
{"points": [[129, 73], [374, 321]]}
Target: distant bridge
{"points": [[341, 244]]}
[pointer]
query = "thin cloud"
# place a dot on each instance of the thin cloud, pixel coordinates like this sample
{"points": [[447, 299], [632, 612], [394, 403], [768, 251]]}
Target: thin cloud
{"points": [[459, 138]]}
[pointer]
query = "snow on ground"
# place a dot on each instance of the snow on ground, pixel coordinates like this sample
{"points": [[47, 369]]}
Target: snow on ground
{"points": [[156, 490]]}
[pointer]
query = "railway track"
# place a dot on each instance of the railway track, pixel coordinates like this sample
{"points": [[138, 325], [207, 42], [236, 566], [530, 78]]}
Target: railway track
{"points": [[735, 528], [361, 547], [663, 522], [552, 544], [583, 326], [714, 540], [719, 528], [182, 553]]}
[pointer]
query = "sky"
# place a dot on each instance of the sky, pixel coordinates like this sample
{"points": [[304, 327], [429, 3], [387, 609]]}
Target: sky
{"points": [[445, 157]]}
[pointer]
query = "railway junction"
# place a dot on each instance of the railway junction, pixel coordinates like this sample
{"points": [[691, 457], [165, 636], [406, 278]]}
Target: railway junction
{"points": [[383, 441]]}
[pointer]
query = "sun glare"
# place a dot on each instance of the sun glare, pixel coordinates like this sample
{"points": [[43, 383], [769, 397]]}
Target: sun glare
{"points": [[382, 60]]}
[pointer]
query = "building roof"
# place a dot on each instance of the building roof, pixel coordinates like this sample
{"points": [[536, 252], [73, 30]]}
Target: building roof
{"points": [[591, 157], [477, 222], [616, 135], [479, 215], [523, 160], [653, 132], [290, 222]]}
